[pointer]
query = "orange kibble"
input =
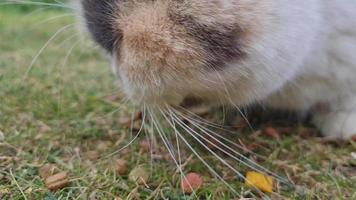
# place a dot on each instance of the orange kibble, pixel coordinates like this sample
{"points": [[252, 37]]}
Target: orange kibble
{"points": [[354, 138], [259, 181], [271, 132], [191, 183]]}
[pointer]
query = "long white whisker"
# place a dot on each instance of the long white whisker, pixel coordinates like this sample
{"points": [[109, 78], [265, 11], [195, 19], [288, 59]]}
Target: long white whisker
{"points": [[148, 134], [177, 143], [202, 120], [202, 160], [63, 64], [221, 137], [130, 142], [44, 46], [243, 116], [249, 162], [170, 150], [190, 131], [51, 19], [37, 10], [228, 96], [35, 3]]}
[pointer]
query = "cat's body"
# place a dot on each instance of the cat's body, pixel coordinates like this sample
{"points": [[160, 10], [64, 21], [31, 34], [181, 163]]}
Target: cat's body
{"points": [[294, 55], [327, 76]]}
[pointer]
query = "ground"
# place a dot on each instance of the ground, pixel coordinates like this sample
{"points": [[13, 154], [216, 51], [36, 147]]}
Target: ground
{"points": [[67, 111]]}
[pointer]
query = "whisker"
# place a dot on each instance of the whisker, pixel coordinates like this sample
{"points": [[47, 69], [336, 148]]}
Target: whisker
{"points": [[178, 146], [53, 18], [249, 162], [63, 65], [228, 96], [35, 3], [201, 120], [148, 133], [169, 148], [243, 116], [129, 143], [202, 160], [221, 137], [44, 47], [132, 121], [190, 131], [37, 10], [236, 145]]}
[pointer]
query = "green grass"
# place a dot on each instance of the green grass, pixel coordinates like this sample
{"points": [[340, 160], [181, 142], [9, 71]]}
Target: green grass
{"points": [[64, 110]]}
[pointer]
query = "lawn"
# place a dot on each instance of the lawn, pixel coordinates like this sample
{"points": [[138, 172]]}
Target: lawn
{"points": [[60, 105]]}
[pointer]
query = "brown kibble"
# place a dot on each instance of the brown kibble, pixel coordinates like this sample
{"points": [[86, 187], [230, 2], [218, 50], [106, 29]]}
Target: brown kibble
{"points": [[57, 181], [271, 132], [46, 170], [191, 183], [120, 166]]}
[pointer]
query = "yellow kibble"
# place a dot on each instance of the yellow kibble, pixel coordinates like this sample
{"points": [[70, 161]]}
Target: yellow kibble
{"points": [[260, 181]]}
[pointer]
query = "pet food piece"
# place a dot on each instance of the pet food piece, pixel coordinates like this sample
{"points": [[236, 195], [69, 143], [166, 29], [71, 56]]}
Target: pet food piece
{"points": [[57, 181], [191, 183], [259, 181], [46, 170], [120, 166], [353, 138], [271, 132]]}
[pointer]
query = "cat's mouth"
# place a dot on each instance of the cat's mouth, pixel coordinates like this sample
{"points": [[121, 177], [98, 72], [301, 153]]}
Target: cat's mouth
{"points": [[159, 97]]}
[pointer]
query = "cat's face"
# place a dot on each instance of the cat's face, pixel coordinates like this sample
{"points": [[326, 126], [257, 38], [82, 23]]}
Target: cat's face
{"points": [[217, 50]]}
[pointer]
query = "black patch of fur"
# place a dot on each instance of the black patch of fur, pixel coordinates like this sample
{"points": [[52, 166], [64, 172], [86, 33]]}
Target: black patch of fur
{"points": [[221, 43], [99, 16]]}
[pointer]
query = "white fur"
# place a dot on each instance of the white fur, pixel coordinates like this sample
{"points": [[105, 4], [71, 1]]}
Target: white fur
{"points": [[302, 54], [306, 56], [328, 74]]}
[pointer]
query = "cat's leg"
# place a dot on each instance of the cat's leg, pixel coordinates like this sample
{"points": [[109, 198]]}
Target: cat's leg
{"points": [[338, 119]]}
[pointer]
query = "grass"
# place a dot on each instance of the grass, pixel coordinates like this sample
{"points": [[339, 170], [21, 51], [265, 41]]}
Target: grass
{"points": [[65, 112]]}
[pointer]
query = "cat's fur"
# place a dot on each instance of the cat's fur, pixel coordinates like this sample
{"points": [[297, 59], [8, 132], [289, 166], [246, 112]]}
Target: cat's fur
{"points": [[294, 55]]}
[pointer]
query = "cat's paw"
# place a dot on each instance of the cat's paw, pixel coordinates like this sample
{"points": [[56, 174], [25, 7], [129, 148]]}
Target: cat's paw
{"points": [[336, 124]]}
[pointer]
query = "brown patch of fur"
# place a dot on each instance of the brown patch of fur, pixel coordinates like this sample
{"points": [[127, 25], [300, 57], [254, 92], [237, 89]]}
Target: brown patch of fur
{"points": [[152, 40], [160, 51]]}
